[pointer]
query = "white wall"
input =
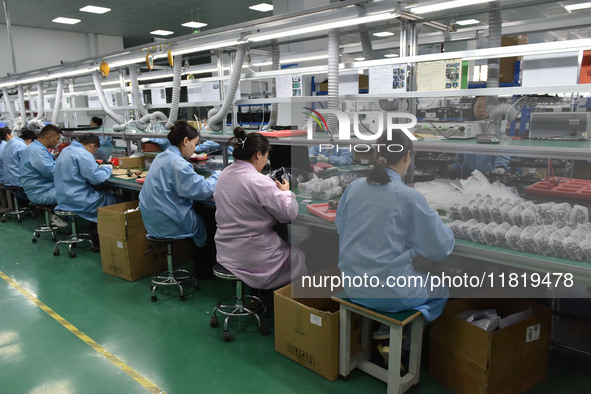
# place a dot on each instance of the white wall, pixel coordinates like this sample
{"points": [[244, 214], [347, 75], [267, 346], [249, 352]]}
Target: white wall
{"points": [[38, 48]]}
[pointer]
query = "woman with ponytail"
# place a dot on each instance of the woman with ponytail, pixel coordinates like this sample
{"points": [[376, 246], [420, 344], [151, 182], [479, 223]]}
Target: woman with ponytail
{"points": [[248, 205], [171, 187], [383, 224]]}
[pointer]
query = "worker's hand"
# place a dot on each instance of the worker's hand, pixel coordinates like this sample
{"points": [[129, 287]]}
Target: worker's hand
{"points": [[498, 171], [322, 158], [107, 164], [282, 186]]}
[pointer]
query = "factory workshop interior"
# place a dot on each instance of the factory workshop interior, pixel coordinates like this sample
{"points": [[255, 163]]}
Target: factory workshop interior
{"points": [[297, 196]]}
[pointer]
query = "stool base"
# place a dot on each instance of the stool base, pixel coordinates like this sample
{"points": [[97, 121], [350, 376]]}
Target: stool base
{"points": [[172, 278]]}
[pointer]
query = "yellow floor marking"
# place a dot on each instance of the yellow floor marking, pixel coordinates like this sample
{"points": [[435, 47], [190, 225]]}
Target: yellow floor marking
{"points": [[98, 348]]}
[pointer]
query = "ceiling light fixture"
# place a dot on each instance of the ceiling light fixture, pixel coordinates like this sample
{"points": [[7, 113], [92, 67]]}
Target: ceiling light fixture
{"points": [[438, 6], [194, 25], [383, 34], [94, 9], [160, 32], [391, 55], [325, 26], [359, 59], [67, 21], [467, 22], [262, 7], [579, 6]]}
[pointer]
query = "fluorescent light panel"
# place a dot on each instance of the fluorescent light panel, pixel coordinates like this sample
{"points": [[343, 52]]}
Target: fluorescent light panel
{"points": [[326, 26], [391, 55], [467, 22], [67, 21], [383, 34], [580, 6], [359, 59], [262, 7], [94, 9], [446, 5], [194, 25], [161, 32]]}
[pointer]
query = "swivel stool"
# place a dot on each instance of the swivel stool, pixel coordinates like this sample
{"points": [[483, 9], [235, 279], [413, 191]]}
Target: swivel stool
{"points": [[74, 238]]}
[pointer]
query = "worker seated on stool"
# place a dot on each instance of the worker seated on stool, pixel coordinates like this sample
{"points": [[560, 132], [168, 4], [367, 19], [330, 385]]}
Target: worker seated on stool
{"points": [[11, 158], [166, 199], [76, 173], [36, 170], [248, 205], [5, 136], [106, 148], [382, 225], [333, 155]]}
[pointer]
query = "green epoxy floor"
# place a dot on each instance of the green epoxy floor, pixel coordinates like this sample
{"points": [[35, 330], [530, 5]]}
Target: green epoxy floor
{"points": [[170, 343]]}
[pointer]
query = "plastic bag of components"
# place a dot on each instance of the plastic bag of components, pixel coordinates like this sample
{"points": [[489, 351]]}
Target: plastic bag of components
{"points": [[529, 217], [282, 172], [562, 214], [505, 209], [566, 231], [475, 232], [350, 176], [527, 239], [485, 209], [546, 212], [465, 213], [453, 213], [515, 216], [456, 228], [500, 233], [328, 194], [579, 215], [586, 248], [572, 248], [466, 225], [555, 240], [475, 209], [488, 234], [496, 214], [541, 238], [513, 238], [585, 227]]}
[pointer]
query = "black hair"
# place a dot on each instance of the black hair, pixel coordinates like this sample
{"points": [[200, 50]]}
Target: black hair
{"points": [[89, 138], [247, 145], [96, 120], [179, 131], [390, 153], [27, 134], [4, 131], [47, 129]]}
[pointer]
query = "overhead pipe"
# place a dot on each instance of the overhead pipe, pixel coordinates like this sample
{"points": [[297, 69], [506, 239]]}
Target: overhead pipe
{"points": [[176, 91], [58, 101], [40, 100], [121, 123], [216, 117], [275, 57], [8, 103], [135, 92]]}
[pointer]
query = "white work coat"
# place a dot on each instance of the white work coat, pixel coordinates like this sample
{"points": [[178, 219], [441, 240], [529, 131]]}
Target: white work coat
{"points": [[36, 174]]}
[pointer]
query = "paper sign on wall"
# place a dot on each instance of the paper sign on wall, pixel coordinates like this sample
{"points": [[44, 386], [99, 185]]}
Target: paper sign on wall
{"points": [[33, 104], [210, 91], [443, 75], [158, 96], [387, 79], [47, 106], [17, 105], [289, 85], [194, 93], [66, 102], [93, 102]]}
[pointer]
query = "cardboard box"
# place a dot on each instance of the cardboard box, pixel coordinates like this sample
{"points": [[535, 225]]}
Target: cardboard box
{"points": [[123, 243], [363, 83], [307, 332], [507, 66], [132, 162], [468, 359]]}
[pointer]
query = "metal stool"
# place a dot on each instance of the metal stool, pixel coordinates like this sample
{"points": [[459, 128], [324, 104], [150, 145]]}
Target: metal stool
{"points": [[75, 238], [237, 308], [16, 210], [48, 227], [171, 277]]}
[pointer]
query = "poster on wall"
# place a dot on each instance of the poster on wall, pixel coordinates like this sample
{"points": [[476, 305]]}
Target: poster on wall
{"points": [[210, 91], [33, 104], [194, 93], [441, 75], [47, 106], [289, 85], [17, 105], [112, 98], [66, 102], [158, 96], [387, 79], [93, 102]]}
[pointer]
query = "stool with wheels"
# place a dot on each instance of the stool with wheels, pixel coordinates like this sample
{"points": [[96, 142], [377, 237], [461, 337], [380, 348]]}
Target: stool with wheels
{"points": [[171, 277], [48, 227], [74, 238], [237, 307], [16, 209], [395, 321]]}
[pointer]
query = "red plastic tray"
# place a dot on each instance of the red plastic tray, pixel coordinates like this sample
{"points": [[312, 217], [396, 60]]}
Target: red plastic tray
{"points": [[283, 133], [199, 158], [140, 180], [579, 189], [322, 211]]}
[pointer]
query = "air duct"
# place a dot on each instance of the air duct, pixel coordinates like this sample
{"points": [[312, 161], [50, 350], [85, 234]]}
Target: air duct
{"points": [[8, 103], [135, 93], [41, 103], [494, 41], [121, 123], [333, 78], [275, 57], [58, 101]]}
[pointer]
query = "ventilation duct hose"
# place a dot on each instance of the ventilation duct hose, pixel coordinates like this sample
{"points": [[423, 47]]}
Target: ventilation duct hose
{"points": [[58, 101], [215, 121], [176, 91], [494, 41], [21, 101], [40, 100], [333, 78], [9, 107], [275, 56], [135, 93], [121, 124], [146, 120]]}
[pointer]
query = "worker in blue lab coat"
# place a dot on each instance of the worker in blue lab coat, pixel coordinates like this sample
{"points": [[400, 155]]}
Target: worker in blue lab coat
{"points": [[482, 163], [37, 165], [11, 156], [207, 146], [171, 186], [76, 174], [382, 225], [5, 136], [106, 141], [342, 156]]}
